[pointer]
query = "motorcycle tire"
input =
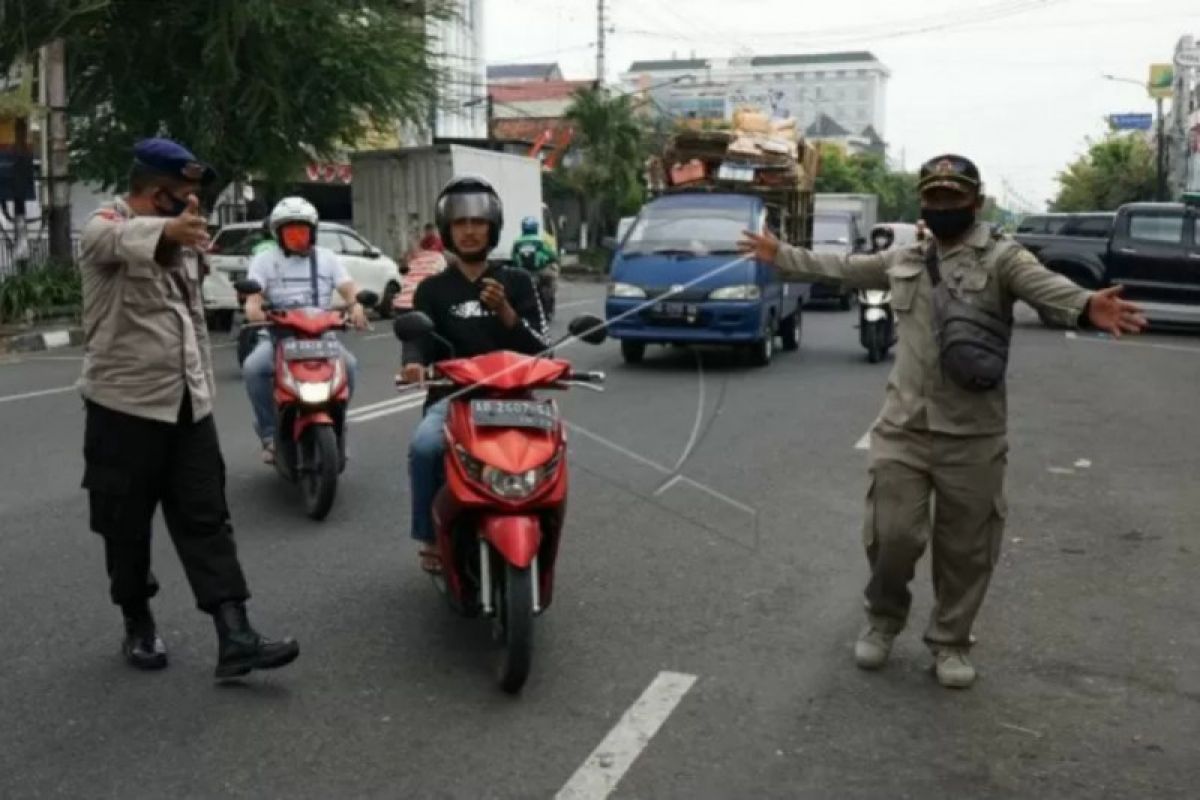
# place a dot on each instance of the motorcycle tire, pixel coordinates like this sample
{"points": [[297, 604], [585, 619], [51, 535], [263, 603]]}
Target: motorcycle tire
{"points": [[875, 348], [515, 609], [319, 475]]}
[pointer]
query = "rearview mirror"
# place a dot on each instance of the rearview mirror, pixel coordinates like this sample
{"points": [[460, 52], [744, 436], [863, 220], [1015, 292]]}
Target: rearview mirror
{"points": [[247, 286], [371, 252], [412, 326], [588, 328], [368, 298]]}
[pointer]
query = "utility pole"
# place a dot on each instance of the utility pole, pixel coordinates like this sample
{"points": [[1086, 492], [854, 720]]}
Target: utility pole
{"points": [[1160, 191], [59, 154], [600, 37]]}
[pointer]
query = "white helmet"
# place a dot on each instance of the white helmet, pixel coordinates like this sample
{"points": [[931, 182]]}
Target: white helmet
{"points": [[292, 209]]}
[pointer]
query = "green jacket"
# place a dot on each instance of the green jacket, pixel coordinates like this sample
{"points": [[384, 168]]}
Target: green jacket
{"points": [[997, 271], [531, 252]]}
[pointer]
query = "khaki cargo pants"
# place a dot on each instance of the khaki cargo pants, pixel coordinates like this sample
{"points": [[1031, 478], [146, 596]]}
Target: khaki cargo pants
{"points": [[963, 477]]}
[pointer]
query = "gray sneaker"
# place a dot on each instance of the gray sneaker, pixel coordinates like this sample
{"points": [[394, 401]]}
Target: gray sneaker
{"points": [[954, 670], [873, 647]]}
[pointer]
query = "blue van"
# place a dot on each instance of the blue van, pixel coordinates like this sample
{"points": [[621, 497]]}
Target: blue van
{"points": [[676, 278]]}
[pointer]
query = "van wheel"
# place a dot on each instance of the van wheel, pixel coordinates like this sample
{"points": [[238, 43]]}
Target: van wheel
{"points": [[789, 331], [633, 352], [762, 351]]}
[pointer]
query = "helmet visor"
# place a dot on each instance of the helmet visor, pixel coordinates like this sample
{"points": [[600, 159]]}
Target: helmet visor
{"points": [[472, 205]]}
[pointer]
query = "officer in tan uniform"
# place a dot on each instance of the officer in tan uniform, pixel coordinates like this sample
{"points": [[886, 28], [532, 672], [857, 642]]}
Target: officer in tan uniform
{"points": [[148, 384], [942, 433]]}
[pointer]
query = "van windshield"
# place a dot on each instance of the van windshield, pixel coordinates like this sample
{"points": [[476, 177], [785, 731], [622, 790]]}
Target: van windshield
{"points": [[693, 230], [831, 230]]}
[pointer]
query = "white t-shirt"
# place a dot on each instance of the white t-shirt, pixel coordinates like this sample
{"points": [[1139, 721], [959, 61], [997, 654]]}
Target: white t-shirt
{"points": [[287, 279]]}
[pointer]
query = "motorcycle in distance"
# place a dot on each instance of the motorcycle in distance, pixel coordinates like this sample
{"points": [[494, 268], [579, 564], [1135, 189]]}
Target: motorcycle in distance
{"points": [[876, 323], [312, 393], [499, 517]]}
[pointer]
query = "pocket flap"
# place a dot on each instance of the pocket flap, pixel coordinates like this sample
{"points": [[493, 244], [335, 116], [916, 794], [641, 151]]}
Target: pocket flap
{"points": [[105, 479]]}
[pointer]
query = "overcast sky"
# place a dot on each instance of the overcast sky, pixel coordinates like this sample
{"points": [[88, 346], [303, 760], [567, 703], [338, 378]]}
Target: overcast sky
{"points": [[1015, 84]]}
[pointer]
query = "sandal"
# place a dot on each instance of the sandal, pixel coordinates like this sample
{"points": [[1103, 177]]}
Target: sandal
{"points": [[431, 559], [268, 453]]}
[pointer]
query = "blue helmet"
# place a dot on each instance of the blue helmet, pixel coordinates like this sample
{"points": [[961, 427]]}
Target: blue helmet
{"points": [[529, 225]]}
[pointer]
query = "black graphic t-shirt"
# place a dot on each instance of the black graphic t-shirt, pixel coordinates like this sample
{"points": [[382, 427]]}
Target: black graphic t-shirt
{"points": [[459, 317]]}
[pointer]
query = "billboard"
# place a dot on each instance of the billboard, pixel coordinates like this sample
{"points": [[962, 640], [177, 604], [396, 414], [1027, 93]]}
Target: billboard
{"points": [[1162, 81]]}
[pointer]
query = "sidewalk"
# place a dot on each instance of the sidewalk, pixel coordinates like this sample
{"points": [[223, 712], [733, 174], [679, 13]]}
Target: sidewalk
{"points": [[48, 335]]}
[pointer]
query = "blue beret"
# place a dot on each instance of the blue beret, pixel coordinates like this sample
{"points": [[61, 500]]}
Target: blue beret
{"points": [[171, 158]]}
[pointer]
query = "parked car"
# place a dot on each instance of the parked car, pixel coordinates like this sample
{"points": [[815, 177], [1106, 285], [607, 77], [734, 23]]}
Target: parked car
{"points": [[1153, 251], [229, 262], [1090, 225]]}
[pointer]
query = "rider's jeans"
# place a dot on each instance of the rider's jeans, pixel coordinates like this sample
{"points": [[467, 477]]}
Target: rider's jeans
{"points": [[426, 468], [258, 371]]}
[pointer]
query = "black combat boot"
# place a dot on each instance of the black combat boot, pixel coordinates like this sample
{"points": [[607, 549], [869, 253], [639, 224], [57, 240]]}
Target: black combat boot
{"points": [[142, 647], [243, 649]]}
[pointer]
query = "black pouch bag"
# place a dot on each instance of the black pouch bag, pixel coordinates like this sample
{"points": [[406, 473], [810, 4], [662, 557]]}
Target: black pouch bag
{"points": [[972, 343]]}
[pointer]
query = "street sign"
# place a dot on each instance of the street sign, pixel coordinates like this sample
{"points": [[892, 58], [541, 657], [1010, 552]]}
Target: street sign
{"points": [[1162, 81], [1131, 122]]}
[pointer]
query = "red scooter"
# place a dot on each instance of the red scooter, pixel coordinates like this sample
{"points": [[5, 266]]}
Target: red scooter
{"points": [[499, 517], [312, 392]]}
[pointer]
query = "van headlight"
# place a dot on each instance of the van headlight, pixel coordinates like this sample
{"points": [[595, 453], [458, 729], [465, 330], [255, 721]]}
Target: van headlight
{"points": [[747, 292], [625, 290]]}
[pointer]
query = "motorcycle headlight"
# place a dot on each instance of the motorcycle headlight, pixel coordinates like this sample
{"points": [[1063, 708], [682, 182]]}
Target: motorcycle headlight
{"points": [[746, 292], [625, 290], [507, 485], [314, 392]]}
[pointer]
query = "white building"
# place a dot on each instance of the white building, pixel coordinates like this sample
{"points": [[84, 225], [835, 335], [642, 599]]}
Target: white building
{"points": [[848, 88], [461, 111]]}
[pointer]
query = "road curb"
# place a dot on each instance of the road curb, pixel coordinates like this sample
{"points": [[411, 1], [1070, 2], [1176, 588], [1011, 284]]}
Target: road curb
{"points": [[36, 341]]}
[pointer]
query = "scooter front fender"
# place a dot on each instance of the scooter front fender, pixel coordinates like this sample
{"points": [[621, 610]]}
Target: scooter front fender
{"points": [[517, 538], [305, 421]]}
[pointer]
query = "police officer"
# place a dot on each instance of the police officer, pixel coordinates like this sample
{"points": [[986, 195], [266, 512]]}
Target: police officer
{"points": [[935, 437], [148, 385]]}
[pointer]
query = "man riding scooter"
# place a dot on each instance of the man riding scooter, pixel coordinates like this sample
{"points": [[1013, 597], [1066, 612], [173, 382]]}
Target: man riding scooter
{"points": [[475, 309], [531, 253], [876, 323], [296, 274]]}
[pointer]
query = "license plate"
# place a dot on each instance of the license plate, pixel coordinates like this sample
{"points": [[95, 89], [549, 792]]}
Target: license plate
{"points": [[736, 172], [679, 311], [314, 349], [513, 414]]}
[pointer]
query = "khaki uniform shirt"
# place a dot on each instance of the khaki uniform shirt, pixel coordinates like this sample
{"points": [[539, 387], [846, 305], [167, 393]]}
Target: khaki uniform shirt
{"points": [[145, 340], [996, 272]]}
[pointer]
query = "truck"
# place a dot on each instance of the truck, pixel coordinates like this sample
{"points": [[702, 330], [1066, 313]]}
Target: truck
{"points": [[394, 191], [1153, 250], [676, 275], [841, 225]]}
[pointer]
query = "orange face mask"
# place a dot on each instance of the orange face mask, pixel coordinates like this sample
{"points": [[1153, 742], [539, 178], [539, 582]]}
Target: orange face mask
{"points": [[296, 238]]}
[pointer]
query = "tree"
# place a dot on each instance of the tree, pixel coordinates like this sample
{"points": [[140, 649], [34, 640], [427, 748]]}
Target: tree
{"points": [[255, 88], [867, 173], [1117, 169], [611, 146]]}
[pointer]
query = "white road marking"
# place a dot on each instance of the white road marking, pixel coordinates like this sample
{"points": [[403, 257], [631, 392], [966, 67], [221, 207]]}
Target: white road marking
{"points": [[30, 395], [864, 443], [1083, 463], [395, 401], [1060, 470], [409, 403], [1178, 348], [53, 339], [599, 775]]}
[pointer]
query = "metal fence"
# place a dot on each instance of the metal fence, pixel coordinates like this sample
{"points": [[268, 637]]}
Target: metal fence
{"points": [[39, 251]]}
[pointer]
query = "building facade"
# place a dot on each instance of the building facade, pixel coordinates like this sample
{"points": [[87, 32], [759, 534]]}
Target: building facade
{"points": [[850, 88]]}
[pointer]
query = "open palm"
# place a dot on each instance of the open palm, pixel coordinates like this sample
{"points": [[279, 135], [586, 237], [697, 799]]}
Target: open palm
{"points": [[1108, 312]]}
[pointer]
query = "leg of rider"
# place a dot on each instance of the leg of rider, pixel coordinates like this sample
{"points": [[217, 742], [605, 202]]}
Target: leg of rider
{"points": [[258, 372], [426, 469]]}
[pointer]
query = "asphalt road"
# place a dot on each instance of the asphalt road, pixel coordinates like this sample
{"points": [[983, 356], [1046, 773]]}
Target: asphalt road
{"points": [[714, 535]]}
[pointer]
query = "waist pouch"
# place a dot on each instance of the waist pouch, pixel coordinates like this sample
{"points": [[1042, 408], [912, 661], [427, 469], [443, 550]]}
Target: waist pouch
{"points": [[972, 343]]}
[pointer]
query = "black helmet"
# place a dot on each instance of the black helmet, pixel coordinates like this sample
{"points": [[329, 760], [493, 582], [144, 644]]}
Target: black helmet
{"points": [[469, 197]]}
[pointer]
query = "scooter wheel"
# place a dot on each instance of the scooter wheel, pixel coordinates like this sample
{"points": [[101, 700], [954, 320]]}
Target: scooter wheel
{"points": [[515, 608], [319, 469]]}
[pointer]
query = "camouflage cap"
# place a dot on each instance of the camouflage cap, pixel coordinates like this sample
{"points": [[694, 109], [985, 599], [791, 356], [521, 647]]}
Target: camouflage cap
{"points": [[950, 171]]}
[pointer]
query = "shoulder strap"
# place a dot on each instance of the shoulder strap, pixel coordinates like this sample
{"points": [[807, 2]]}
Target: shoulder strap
{"points": [[312, 276], [931, 263]]}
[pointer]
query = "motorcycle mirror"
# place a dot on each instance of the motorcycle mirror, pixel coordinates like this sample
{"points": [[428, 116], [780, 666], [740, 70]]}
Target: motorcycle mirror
{"points": [[248, 286], [368, 298], [412, 326], [588, 328]]}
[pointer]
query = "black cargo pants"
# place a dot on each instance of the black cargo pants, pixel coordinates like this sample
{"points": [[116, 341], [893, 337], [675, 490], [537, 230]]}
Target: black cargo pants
{"points": [[132, 465]]}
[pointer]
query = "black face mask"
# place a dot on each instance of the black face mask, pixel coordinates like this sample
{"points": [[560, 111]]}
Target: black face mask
{"points": [[948, 223], [176, 206]]}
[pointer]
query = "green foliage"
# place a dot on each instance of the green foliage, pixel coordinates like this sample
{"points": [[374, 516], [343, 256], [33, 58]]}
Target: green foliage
{"points": [[612, 150], [867, 173], [40, 292], [1117, 169], [252, 87]]}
